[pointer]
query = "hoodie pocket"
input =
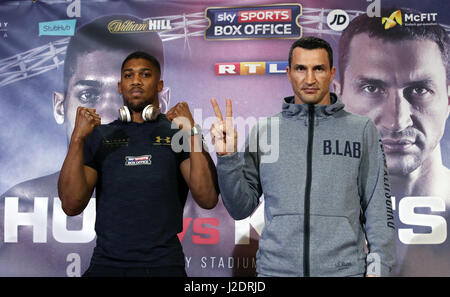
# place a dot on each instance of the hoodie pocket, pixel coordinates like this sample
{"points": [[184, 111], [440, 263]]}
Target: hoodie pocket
{"points": [[334, 247], [280, 246]]}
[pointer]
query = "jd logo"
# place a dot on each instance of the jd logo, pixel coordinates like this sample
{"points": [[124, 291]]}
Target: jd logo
{"points": [[338, 20]]}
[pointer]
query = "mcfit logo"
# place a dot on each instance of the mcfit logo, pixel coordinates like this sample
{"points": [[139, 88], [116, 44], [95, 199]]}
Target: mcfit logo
{"points": [[268, 21], [394, 19], [408, 19]]}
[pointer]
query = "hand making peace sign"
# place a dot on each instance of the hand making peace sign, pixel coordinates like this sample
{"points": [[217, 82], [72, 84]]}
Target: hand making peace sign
{"points": [[223, 134]]}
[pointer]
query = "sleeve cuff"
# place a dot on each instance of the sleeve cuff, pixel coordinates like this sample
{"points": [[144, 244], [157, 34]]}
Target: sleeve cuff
{"points": [[228, 160], [375, 267]]}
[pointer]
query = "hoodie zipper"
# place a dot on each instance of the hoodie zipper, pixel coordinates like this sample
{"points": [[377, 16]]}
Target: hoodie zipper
{"points": [[306, 221]]}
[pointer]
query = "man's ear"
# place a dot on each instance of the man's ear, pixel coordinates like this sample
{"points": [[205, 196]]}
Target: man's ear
{"points": [[58, 107], [336, 85], [333, 72], [119, 88], [164, 99], [160, 85], [288, 74]]}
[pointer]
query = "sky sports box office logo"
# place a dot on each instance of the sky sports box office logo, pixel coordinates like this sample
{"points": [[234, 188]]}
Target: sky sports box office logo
{"points": [[268, 21]]}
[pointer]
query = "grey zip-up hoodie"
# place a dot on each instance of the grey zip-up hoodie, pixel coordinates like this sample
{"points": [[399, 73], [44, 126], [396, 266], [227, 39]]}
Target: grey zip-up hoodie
{"points": [[325, 193]]}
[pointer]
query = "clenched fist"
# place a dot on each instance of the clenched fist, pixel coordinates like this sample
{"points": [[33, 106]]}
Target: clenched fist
{"points": [[85, 121], [181, 115]]}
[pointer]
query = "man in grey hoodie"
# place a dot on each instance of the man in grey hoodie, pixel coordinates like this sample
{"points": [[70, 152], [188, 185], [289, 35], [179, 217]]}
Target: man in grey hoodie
{"points": [[327, 190]]}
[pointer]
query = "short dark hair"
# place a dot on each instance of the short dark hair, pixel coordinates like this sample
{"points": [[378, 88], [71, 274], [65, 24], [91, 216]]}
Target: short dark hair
{"points": [[311, 42], [373, 27], [142, 55], [95, 36]]}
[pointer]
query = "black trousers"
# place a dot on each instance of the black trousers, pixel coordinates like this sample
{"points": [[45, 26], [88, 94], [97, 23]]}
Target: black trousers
{"points": [[96, 270]]}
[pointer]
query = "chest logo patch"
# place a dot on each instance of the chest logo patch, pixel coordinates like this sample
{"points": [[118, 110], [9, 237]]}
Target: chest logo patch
{"points": [[115, 142], [342, 148], [162, 140], [139, 160]]}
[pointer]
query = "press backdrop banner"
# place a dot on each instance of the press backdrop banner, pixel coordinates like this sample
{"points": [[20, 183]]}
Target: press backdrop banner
{"points": [[210, 49]]}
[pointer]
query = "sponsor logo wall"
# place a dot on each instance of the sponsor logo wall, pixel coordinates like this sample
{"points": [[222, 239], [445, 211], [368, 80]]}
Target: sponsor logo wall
{"points": [[218, 49]]}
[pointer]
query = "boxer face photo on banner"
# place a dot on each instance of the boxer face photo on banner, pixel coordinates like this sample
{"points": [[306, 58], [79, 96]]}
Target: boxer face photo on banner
{"points": [[91, 73], [399, 78], [92, 85]]}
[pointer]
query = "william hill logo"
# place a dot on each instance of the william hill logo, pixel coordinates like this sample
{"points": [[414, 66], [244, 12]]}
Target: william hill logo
{"points": [[408, 19], [129, 26]]}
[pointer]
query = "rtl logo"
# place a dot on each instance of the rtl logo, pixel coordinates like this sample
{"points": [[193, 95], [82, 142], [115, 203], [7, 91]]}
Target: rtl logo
{"points": [[251, 68]]}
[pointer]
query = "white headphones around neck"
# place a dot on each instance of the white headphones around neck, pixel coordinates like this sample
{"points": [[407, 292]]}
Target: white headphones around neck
{"points": [[150, 113]]}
